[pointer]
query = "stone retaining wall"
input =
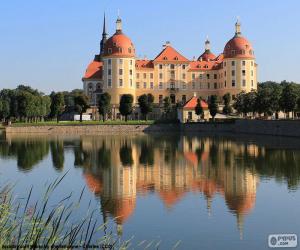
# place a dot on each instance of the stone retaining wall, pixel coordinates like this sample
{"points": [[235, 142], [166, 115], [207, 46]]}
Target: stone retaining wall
{"points": [[277, 128]]}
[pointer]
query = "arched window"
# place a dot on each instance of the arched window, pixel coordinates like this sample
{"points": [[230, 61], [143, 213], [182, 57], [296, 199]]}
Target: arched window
{"points": [[165, 58], [176, 58], [120, 50]]}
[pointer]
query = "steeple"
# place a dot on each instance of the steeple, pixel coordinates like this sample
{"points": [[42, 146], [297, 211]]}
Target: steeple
{"points": [[238, 27], [104, 38], [119, 24], [207, 45]]}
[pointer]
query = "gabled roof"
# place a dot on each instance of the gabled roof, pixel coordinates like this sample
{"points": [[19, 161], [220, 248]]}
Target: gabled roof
{"points": [[170, 54], [94, 71], [192, 103]]}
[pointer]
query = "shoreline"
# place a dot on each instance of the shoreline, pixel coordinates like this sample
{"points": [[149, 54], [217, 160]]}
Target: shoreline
{"points": [[256, 127]]}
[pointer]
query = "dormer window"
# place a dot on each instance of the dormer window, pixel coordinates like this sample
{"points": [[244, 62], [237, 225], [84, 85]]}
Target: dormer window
{"points": [[120, 50], [109, 50], [232, 52], [176, 58], [165, 58], [129, 50], [250, 52], [114, 44]]}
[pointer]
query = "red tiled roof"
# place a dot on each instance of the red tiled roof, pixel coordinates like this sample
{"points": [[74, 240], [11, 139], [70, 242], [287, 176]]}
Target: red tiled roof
{"points": [[170, 54], [192, 103], [207, 56], [238, 47], [147, 64], [120, 45], [94, 70]]}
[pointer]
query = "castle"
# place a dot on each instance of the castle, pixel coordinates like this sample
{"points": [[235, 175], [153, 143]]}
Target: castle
{"points": [[117, 71]]}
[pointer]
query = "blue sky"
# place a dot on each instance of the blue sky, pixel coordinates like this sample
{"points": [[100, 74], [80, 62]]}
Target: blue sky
{"points": [[48, 44]]}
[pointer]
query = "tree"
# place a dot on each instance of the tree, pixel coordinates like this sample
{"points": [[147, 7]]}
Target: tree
{"points": [[198, 108], [81, 104], [167, 105], [126, 105], [227, 107], [213, 106], [4, 108], [146, 104], [104, 106], [57, 105], [249, 103], [288, 98]]}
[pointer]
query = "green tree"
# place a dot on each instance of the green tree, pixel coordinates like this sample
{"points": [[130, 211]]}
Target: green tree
{"points": [[213, 106], [227, 109], [199, 108], [81, 104], [4, 108], [167, 105], [249, 103], [57, 105], [146, 104], [104, 106], [288, 99], [126, 105]]}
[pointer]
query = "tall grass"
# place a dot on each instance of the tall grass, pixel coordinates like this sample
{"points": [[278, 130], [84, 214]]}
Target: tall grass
{"points": [[42, 225]]}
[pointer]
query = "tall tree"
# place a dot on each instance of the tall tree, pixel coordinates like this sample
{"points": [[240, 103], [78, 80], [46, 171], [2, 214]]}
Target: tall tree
{"points": [[104, 106], [81, 104], [126, 105], [146, 104], [227, 107], [167, 105], [213, 106], [57, 105], [288, 99], [199, 108]]}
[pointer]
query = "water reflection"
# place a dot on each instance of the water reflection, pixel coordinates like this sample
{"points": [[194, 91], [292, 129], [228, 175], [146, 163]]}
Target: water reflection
{"points": [[118, 168]]}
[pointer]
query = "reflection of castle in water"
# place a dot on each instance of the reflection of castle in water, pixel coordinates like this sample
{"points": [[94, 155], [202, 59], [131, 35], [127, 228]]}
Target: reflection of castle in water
{"points": [[170, 168]]}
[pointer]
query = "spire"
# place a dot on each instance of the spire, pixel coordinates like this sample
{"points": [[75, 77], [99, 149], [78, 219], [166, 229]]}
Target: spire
{"points": [[238, 27], [103, 40], [207, 45], [119, 23]]}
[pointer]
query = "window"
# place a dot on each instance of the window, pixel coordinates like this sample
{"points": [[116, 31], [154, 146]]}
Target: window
{"points": [[120, 50], [193, 85], [233, 83], [224, 64], [208, 85], [165, 58], [172, 66], [151, 75], [225, 84], [244, 83], [232, 63], [184, 86], [109, 72], [120, 61], [130, 82], [120, 72], [244, 63], [160, 99], [224, 73], [120, 82], [200, 76], [251, 72], [232, 72], [183, 66], [252, 63], [193, 76], [109, 83], [215, 85], [243, 72], [151, 85], [145, 75], [160, 85], [109, 61], [183, 76], [252, 83], [172, 74], [215, 76], [137, 75], [183, 98], [130, 62], [130, 72], [160, 66], [137, 85], [129, 50], [160, 76], [109, 50], [145, 85], [207, 76]]}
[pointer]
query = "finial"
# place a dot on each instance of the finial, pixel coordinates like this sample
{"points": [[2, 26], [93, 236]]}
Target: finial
{"points": [[119, 23], [238, 27], [207, 44]]}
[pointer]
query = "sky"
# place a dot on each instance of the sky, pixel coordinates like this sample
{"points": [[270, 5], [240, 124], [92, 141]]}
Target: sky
{"points": [[48, 44]]}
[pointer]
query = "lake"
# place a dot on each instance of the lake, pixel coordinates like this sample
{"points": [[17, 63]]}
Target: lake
{"points": [[193, 191]]}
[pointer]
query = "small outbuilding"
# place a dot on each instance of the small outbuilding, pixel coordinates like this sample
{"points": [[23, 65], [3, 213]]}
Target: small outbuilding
{"points": [[187, 112]]}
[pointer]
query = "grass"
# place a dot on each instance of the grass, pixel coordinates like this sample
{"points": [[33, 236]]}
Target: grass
{"points": [[77, 123], [29, 226]]}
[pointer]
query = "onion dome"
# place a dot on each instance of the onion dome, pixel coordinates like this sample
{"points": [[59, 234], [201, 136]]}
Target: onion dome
{"points": [[238, 46], [207, 55], [119, 44]]}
